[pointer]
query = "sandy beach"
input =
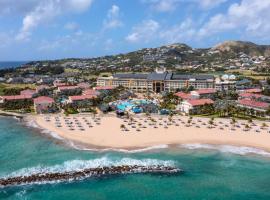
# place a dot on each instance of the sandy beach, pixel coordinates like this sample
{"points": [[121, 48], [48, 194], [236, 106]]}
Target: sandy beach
{"points": [[141, 132]]}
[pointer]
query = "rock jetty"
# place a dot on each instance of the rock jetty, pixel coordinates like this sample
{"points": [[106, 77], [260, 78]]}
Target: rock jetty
{"points": [[86, 173]]}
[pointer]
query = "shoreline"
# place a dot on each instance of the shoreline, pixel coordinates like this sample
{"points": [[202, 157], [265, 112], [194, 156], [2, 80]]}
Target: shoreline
{"points": [[99, 138]]}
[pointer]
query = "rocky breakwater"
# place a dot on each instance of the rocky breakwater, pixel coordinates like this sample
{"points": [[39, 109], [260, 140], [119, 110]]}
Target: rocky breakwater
{"points": [[39, 178]]}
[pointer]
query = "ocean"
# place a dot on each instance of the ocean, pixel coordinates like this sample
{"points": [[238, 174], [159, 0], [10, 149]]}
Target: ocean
{"points": [[210, 172], [11, 64]]}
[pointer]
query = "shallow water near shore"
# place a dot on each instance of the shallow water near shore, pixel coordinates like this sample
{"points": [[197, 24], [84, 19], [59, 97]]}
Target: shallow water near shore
{"points": [[211, 172]]}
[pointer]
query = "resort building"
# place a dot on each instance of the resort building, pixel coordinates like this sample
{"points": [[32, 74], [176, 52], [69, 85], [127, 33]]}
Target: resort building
{"points": [[203, 93], [253, 106], [158, 81], [193, 105], [14, 98], [67, 90], [184, 96], [43, 104], [225, 83], [28, 92], [81, 99]]}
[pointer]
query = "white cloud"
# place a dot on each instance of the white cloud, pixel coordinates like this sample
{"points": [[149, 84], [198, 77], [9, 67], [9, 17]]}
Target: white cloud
{"points": [[171, 5], [72, 26], [145, 31], [185, 31], [208, 4], [113, 18], [46, 10], [250, 17]]}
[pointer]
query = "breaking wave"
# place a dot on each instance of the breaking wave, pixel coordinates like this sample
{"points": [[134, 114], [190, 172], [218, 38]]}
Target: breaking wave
{"points": [[80, 165], [157, 147], [228, 149]]}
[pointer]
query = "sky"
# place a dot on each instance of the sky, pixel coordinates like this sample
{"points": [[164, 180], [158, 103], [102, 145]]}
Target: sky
{"points": [[54, 29]]}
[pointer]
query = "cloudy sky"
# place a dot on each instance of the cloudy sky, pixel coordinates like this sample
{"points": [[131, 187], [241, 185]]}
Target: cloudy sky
{"points": [[51, 29]]}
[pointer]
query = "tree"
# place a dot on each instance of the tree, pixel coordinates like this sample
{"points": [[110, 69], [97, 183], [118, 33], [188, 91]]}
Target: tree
{"points": [[211, 122], [122, 126]]}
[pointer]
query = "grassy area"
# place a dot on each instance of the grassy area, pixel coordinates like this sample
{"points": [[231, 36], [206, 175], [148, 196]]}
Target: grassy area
{"points": [[240, 117], [5, 86], [249, 74]]}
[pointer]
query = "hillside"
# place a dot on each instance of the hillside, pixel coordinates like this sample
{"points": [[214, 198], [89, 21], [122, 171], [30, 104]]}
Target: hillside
{"points": [[248, 48]]}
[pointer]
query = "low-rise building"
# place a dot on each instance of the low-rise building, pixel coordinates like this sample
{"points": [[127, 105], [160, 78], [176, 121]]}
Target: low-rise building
{"points": [[193, 105], [252, 105], [28, 92], [184, 96], [4, 99], [203, 93], [43, 104], [68, 90]]}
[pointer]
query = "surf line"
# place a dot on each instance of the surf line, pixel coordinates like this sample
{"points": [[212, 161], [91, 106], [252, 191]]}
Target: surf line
{"points": [[39, 178]]}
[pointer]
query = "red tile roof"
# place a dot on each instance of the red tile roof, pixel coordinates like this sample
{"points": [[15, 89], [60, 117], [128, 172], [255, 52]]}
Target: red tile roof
{"points": [[255, 104], [82, 97], [254, 90], [90, 92], [83, 85], [183, 95], [200, 102], [68, 87], [104, 88], [44, 99], [206, 91], [60, 84], [250, 95], [28, 92], [16, 97]]}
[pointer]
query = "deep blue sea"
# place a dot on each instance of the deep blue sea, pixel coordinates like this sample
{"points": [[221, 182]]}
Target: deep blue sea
{"points": [[11, 64], [218, 174]]}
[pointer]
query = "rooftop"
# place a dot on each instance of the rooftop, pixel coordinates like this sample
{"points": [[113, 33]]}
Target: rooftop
{"points": [[104, 88], [82, 97], [28, 92], [199, 102], [254, 104], [43, 99], [154, 76], [17, 97], [183, 95], [206, 91]]}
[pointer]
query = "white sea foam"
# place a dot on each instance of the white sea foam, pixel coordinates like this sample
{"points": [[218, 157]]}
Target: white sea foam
{"points": [[79, 165], [33, 124], [164, 146], [228, 149]]}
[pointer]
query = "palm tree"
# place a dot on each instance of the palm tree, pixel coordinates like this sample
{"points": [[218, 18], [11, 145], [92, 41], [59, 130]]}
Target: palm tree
{"points": [[233, 121], [122, 126], [247, 127], [211, 122], [264, 125]]}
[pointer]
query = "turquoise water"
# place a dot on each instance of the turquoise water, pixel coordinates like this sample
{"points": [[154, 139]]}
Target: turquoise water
{"points": [[124, 105], [209, 174]]}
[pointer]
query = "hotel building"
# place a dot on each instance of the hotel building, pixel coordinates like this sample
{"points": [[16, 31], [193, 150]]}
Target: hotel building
{"points": [[157, 81]]}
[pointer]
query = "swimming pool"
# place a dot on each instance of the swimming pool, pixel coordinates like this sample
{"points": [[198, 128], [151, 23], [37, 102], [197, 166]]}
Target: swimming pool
{"points": [[130, 104]]}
